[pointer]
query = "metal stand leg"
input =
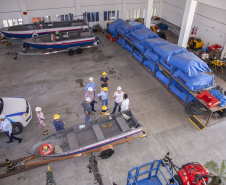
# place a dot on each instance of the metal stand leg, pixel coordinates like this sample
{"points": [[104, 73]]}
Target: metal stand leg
{"points": [[209, 118]]}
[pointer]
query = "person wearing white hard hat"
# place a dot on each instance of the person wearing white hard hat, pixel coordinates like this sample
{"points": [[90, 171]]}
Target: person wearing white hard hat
{"points": [[93, 85], [6, 127], [41, 119], [118, 95], [87, 109], [90, 94]]}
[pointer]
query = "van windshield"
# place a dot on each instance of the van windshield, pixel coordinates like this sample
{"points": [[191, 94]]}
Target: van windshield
{"points": [[1, 105]]}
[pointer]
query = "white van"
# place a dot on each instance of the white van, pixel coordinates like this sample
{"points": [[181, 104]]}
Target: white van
{"points": [[17, 111]]}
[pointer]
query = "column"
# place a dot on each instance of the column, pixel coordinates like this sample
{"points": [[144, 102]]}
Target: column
{"points": [[123, 14], [23, 8], [160, 9], [77, 8], [189, 13], [148, 13], [223, 54]]}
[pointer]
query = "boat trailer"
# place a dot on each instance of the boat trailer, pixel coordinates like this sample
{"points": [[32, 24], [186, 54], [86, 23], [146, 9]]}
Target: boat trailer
{"points": [[70, 51], [35, 161]]}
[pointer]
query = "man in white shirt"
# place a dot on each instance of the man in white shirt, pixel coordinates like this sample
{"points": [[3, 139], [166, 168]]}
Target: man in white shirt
{"points": [[6, 126], [125, 103], [118, 99]]}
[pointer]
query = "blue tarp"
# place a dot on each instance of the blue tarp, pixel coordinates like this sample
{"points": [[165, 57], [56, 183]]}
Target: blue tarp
{"points": [[143, 33], [120, 41], [112, 27], [162, 77], [128, 46], [150, 65], [220, 96], [120, 30], [166, 51], [131, 26], [151, 43], [139, 45], [152, 55], [195, 83], [181, 92], [138, 55], [189, 63], [171, 68]]}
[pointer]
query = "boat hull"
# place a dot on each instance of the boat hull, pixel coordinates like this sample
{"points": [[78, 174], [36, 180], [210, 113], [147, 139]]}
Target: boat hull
{"points": [[60, 45], [96, 145], [31, 33]]}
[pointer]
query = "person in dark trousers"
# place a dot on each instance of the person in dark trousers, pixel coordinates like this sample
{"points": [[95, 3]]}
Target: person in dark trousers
{"points": [[59, 125], [118, 95], [104, 81], [90, 94], [87, 109], [6, 126]]}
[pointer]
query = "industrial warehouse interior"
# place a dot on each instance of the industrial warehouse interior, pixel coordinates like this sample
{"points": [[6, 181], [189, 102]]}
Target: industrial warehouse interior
{"points": [[124, 92]]}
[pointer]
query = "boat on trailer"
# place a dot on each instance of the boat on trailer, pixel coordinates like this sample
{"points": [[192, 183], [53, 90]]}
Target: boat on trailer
{"points": [[31, 30], [88, 136], [62, 40]]}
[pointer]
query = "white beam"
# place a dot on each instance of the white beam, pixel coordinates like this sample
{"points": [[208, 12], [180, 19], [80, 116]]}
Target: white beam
{"points": [[189, 13], [123, 15], [148, 13]]}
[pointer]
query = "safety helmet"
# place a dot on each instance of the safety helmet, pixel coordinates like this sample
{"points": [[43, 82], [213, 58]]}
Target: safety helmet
{"points": [[56, 116], [104, 107], [91, 78], [104, 73], [119, 88], [37, 109], [2, 116], [90, 89], [88, 99], [105, 89]]}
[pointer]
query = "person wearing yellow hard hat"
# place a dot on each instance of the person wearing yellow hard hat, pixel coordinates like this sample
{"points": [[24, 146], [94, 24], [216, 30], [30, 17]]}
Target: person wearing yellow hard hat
{"points": [[104, 96], [104, 111], [104, 81], [59, 125]]}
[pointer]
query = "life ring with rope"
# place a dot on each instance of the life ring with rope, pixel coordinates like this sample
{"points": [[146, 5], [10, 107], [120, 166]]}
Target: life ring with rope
{"points": [[45, 149]]}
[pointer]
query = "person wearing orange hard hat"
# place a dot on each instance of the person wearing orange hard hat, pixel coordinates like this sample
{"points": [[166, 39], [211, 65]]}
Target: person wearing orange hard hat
{"points": [[104, 81], [59, 125]]}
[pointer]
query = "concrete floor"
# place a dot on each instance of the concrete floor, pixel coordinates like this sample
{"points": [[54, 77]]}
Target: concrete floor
{"points": [[56, 83]]}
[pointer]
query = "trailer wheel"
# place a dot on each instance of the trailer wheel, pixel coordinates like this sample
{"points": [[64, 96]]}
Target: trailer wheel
{"points": [[79, 51], [178, 179], [106, 153], [71, 52], [25, 46]]}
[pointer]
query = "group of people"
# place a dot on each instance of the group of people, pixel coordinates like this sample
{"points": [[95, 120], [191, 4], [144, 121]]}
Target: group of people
{"points": [[121, 99]]}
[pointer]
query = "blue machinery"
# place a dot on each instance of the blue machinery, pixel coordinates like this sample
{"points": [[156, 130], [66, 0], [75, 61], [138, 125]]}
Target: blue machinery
{"points": [[153, 176]]}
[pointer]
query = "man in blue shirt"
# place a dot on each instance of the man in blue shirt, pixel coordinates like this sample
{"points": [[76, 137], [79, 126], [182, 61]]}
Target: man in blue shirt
{"points": [[93, 85], [104, 96], [59, 125]]}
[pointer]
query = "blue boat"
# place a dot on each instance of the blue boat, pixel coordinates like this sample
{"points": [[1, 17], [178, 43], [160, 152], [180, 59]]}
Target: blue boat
{"points": [[62, 40], [31, 30]]}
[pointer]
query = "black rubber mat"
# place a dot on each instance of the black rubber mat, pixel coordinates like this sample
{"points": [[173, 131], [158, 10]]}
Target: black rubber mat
{"points": [[198, 124]]}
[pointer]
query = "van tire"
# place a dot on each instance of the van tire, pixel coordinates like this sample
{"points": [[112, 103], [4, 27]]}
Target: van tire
{"points": [[17, 128]]}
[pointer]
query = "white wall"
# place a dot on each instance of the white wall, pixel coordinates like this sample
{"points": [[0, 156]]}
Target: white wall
{"points": [[210, 20]]}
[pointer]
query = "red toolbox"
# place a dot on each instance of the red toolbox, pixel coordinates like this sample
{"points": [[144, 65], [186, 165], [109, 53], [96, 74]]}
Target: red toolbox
{"points": [[208, 98]]}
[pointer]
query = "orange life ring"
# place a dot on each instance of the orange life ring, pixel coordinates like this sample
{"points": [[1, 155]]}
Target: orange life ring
{"points": [[45, 152]]}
